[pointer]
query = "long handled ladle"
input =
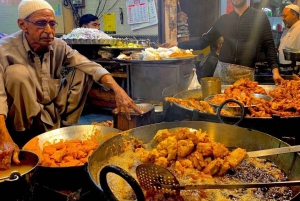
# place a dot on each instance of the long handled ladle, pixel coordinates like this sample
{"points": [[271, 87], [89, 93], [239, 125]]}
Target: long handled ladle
{"points": [[156, 178]]}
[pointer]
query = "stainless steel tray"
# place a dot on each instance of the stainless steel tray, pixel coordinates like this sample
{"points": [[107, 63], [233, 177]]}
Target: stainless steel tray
{"points": [[180, 58]]}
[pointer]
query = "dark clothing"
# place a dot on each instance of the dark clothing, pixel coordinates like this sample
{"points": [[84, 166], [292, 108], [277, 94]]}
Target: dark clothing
{"points": [[207, 66], [243, 36]]}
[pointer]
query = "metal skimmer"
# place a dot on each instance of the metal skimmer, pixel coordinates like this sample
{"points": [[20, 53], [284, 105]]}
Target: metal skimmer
{"points": [[156, 178]]}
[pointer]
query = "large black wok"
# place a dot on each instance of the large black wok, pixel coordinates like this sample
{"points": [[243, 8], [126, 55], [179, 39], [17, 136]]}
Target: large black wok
{"points": [[231, 136], [279, 127]]}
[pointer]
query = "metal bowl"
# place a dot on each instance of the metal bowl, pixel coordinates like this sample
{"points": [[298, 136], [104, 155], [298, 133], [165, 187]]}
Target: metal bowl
{"points": [[81, 132], [291, 54], [236, 110]]}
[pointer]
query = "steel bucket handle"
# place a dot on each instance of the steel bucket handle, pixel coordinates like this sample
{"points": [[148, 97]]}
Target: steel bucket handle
{"points": [[230, 101], [122, 173], [14, 176]]}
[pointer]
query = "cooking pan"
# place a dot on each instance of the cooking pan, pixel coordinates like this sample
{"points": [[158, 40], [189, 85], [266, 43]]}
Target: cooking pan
{"points": [[15, 181], [229, 135], [279, 127], [73, 177]]}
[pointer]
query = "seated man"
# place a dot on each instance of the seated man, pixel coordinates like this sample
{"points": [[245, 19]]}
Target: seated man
{"points": [[89, 21], [33, 96]]}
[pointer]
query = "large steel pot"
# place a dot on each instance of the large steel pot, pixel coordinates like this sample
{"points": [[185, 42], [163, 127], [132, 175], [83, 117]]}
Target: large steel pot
{"points": [[72, 177], [280, 127], [231, 136]]}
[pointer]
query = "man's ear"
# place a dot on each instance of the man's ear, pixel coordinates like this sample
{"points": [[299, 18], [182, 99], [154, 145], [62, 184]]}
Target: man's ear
{"points": [[84, 26], [22, 25]]}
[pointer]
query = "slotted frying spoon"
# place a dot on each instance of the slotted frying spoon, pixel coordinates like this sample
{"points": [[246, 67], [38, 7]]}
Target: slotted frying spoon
{"points": [[156, 178]]}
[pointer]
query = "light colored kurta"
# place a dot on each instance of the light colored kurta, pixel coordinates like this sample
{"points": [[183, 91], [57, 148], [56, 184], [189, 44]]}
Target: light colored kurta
{"points": [[290, 38], [30, 88]]}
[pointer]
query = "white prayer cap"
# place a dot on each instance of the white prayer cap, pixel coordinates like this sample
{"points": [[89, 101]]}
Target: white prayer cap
{"points": [[293, 7], [26, 7]]}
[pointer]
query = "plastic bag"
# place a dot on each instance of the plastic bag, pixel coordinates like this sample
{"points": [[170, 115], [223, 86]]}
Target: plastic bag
{"points": [[194, 84]]}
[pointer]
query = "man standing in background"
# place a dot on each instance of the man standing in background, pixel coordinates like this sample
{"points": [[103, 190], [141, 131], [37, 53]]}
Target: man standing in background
{"points": [[245, 30], [291, 35], [89, 21], [208, 64]]}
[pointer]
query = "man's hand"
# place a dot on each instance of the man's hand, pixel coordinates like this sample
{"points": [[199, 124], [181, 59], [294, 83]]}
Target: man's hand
{"points": [[123, 101], [168, 44], [9, 151], [276, 76]]}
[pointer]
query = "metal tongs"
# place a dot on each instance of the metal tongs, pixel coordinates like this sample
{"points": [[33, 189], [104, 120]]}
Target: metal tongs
{"points": [[156, 178]]}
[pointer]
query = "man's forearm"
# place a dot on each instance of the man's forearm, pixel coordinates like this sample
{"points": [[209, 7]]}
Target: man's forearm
{"points": [[109, 81], [4, 135]]}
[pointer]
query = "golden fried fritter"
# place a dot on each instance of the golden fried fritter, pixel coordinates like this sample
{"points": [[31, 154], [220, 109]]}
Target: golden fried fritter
{"points": [[185, 147], [236, 157], [205, 149], [219, 150]]}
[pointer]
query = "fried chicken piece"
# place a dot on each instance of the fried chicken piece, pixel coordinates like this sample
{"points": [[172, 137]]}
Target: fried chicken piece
{"points": [[161, 161], [169, 144], [181, 165], [185, 147], [172, 148], [236, 157], [68, 158], [186, 163], [202, 136], [205, 149], [179, 169], [193, 136], [48, 161], [162, 148], [143, 154], [59, 145], [49, 150], [198, 161], [181, 133], [153, 155], [213, 167], [58, 155], [81, 154], [219, 150], [161, 135], [224, 168]]}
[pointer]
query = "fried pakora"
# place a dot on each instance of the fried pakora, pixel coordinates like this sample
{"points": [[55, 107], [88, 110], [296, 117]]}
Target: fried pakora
{"points": [[186, 148]]}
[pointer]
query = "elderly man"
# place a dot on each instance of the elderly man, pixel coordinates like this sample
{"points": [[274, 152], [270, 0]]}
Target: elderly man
{"points": [[291, 35], [245, 30], [33, 96], [89, 21]]}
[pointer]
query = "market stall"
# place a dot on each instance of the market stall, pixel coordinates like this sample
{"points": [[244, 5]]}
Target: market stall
{"points": [[135, 64]]}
